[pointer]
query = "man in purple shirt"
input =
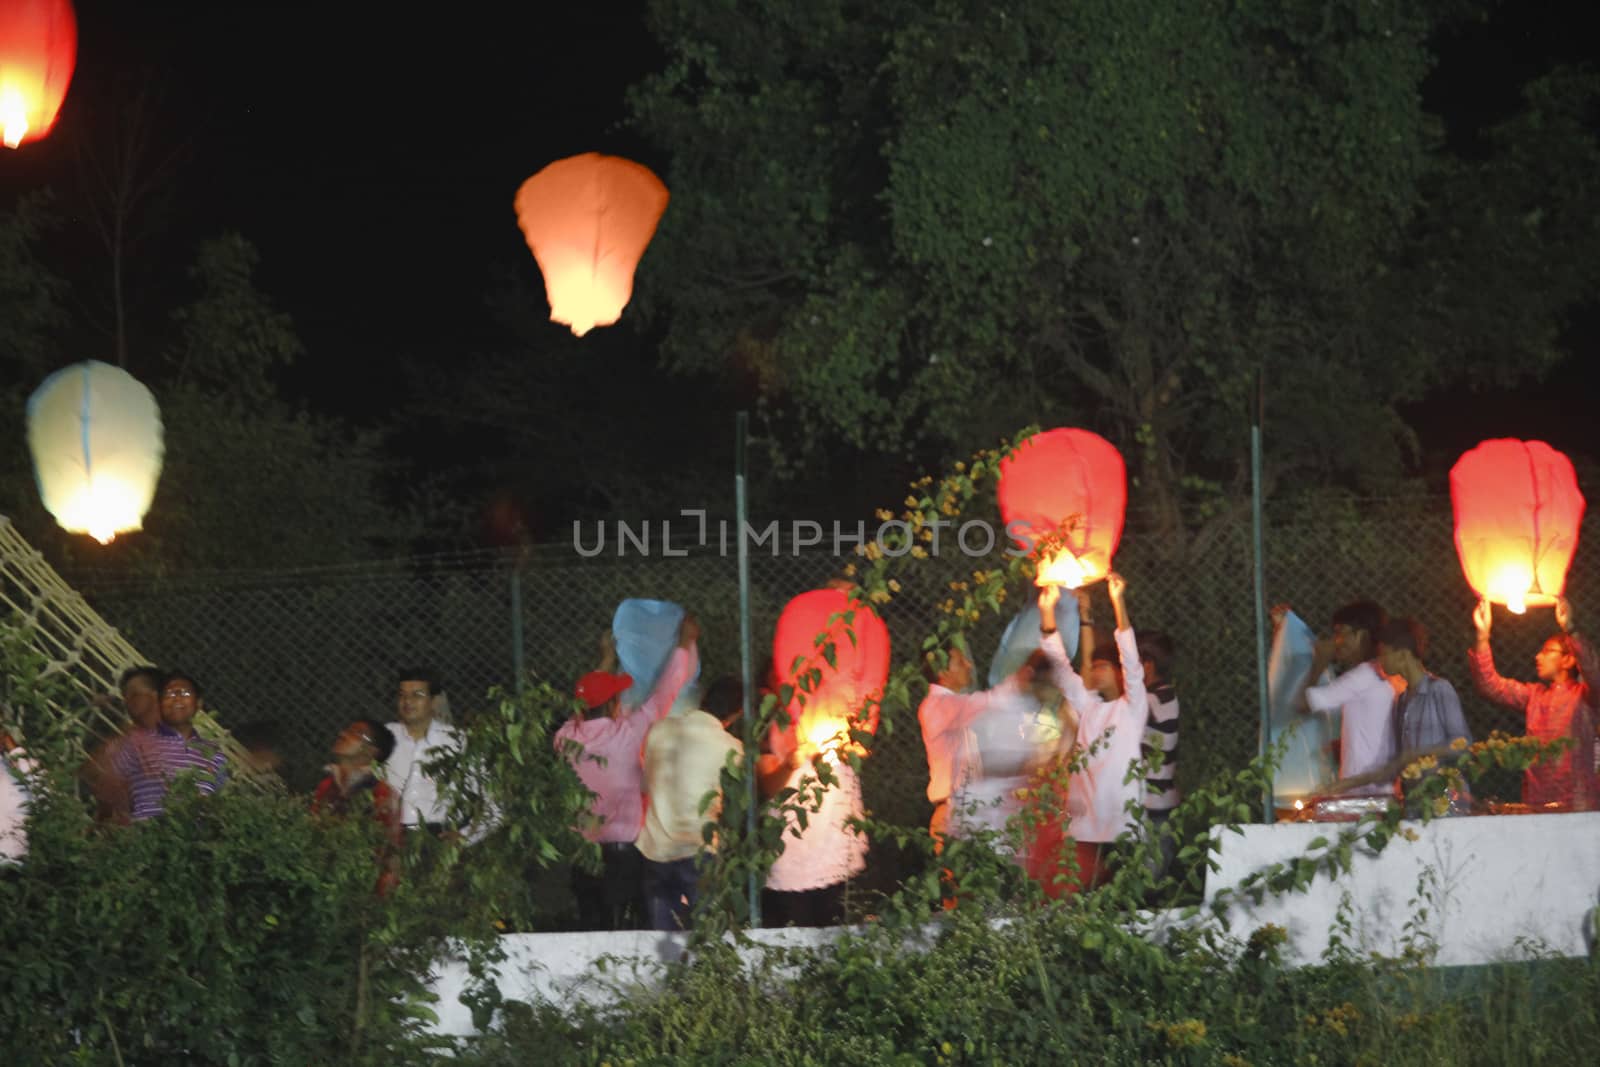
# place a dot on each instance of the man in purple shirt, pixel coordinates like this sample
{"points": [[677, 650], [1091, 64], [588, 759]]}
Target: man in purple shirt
{"points": [[151, 759]]}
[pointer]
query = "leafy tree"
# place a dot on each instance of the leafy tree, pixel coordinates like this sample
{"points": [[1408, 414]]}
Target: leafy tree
{"points": [[923, 224]]}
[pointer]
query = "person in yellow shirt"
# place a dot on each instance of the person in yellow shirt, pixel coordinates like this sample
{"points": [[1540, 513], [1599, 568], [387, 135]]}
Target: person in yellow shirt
{"points": [[684, 754]]}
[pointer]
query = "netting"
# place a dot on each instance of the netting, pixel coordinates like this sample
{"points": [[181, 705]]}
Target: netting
{"points": [[307, 651]]}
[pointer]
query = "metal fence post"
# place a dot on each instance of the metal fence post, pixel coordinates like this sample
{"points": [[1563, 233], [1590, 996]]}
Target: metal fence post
{"points": [[517, 665], [1256, 404], [746, 666]]}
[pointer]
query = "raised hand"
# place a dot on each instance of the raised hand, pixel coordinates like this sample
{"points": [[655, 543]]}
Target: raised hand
{"points": [[1483, 619], [1049, 596], [1563, 614], [1278, 613], [1116, 586]]}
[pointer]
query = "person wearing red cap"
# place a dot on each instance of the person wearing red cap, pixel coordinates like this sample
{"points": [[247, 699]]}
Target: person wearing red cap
{"points": [[604, 742]]}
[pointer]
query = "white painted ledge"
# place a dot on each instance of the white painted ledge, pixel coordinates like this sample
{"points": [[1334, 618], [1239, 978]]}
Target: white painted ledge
{"points": [[1506, 887]]}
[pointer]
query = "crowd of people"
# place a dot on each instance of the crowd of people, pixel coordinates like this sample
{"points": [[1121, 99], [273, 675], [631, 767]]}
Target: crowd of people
{"points": [[1371, 672], [652, 754]]}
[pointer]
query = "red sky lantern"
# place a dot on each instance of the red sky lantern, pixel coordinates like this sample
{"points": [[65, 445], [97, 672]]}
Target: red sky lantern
{"points": [[588, 219], [1517, 513], [861, 671], [38, 49], [1067, 474]]}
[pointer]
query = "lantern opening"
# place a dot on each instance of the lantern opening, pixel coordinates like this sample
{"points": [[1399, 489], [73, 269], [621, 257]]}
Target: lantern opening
{"points": [[1063, 569], [13, 117], [104, 508], [827, 734]]}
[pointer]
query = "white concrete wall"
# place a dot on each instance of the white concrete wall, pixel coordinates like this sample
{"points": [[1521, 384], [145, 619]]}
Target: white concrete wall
{"points": [[1503, 886]]}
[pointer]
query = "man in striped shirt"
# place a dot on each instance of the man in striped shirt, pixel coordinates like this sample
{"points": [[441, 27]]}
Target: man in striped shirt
{"points": [[1161, 742], [150, 759]]}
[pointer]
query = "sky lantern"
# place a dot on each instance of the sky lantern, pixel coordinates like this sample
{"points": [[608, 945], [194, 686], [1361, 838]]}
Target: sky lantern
{"points": [[95, 435], [862, 666], [1066, 476], [1517, 514], [38, 49], [588, 219]]}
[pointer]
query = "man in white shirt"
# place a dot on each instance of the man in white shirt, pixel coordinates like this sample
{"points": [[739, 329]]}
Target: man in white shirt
{"points": [[418, 738], [1361, 694], [1113, 710], [684, 754]]}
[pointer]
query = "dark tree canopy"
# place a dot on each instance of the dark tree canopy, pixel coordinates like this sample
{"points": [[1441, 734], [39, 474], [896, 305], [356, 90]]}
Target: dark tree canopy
{"points": [[922, 226]]}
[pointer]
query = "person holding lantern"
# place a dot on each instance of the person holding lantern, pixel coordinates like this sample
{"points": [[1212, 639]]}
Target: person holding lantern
{"points": [[1360, 693], [1113, 710], [1561, 704], [604, 742]]}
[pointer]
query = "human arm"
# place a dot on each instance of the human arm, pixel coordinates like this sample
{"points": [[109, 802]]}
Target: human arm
{"points": [[681, 665], [1128, 647], [1480, 657], [1065, 678], [1085, 630], [1582, 650]]}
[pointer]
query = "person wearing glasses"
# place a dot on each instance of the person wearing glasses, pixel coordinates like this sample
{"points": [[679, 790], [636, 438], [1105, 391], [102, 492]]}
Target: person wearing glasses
{"points": [[151, 759]]}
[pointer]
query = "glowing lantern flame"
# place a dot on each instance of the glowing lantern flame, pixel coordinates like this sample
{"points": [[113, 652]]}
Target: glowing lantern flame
{"points": [[38, 50], [1518, 511], [95, 435], [1062, 569], [828, 735], [587, 220], [13, 117], [1067, 474]]}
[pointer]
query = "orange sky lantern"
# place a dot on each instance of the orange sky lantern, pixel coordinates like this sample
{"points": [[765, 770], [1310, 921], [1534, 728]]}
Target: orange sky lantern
{"points": [[95, 434], [38, 49], [1067, 474], [862, 667], [588, 219], [1517, 515]]}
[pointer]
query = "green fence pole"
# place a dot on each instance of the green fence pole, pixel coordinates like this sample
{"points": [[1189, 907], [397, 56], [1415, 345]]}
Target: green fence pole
{"points": [[517, 665], [746, 666], [1256, 405]]}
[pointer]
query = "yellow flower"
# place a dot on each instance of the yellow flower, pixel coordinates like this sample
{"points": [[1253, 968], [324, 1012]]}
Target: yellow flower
{"points": [[894, 585], [960, 466], [1458, 744], [911, 501], [946, 1047], [919, 552], [884, 513], [1408, 833], [849, 569]]}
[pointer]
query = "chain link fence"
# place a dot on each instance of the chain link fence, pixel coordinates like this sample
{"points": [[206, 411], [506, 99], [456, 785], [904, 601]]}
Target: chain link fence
{"points": [[307, 651]]}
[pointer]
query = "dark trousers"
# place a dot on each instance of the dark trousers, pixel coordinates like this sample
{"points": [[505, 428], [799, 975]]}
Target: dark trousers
{"points": [[615, 899], [810, 907], [670, 890]]}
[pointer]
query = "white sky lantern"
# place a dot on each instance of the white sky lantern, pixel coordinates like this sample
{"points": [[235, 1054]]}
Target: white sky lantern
{"points": [[95, 434]]}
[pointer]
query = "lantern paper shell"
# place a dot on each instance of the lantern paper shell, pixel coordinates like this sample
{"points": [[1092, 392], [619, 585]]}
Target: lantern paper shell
{"points": [[862, 666], [38, 50], [1517, 516], [588, 219], [1060, 474], [95, 435]]}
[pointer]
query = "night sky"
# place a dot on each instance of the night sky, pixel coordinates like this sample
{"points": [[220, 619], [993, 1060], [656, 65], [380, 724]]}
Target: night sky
{"points": [[372, 158]]}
